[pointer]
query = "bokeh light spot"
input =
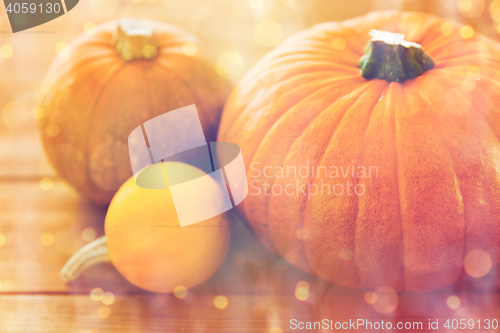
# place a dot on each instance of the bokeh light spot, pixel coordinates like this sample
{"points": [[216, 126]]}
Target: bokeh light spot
{"points": [[221, 302], [302, 284], [189, 49], [387, 300], [453, 302], [104, 311], [96, 294], [149, 51], [447, 28], [53, 130], [230, 64], [47, 239], [477, 263], [466, 31], [89, 234], [108, 298], [37, 112], [6, 51], [495, 10], [60, 47], [180, 292], [255, 4], [302, 291], [471, 8], [46, 184], [15, 114], [465, 5], [302, 233], [371, 297], [90, 28]]}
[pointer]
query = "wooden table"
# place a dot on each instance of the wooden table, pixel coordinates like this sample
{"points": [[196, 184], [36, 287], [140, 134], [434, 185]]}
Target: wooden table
{"points": [[259, 286]]}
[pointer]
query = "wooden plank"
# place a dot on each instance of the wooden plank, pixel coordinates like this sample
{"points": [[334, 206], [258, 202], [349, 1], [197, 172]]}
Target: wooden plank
{"points": [[152, 313], [21, 154], [197, 313], [26, 213]]}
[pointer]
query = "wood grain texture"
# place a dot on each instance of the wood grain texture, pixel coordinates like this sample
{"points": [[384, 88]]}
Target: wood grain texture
{"points": [[153, 313], [196, 313]]}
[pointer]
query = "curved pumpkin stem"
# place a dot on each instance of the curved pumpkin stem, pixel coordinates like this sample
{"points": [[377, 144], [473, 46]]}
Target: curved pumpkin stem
{"points": [[134, 39], [89, 255], [388, 56]]}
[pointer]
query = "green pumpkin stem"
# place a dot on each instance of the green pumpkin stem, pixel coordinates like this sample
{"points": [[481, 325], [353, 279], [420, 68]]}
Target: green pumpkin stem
{"points": [[135, 39], [388, 56]]}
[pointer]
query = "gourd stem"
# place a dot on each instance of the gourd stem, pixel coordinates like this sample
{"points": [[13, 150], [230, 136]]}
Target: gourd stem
{"points": [[135, 39], [388, 56], [89, 255]]}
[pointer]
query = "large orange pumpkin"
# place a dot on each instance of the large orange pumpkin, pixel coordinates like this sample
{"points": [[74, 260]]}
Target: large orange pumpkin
{"points": [[102, 86], [418, 160]]}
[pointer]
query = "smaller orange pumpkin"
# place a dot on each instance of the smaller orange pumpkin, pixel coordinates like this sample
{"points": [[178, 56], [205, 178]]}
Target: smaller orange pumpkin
{"points": [[105, 85], [146, 243]]}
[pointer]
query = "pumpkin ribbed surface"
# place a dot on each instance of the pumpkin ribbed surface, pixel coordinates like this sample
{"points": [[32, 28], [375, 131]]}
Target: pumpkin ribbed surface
{"points": [[433, 142], [95, 99]]}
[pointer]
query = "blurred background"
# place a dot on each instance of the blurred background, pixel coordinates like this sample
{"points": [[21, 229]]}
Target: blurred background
{"points": [[43, 221]]}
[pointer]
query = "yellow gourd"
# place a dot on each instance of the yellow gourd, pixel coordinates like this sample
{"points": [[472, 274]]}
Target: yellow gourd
{"points": [[147, 245]]}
